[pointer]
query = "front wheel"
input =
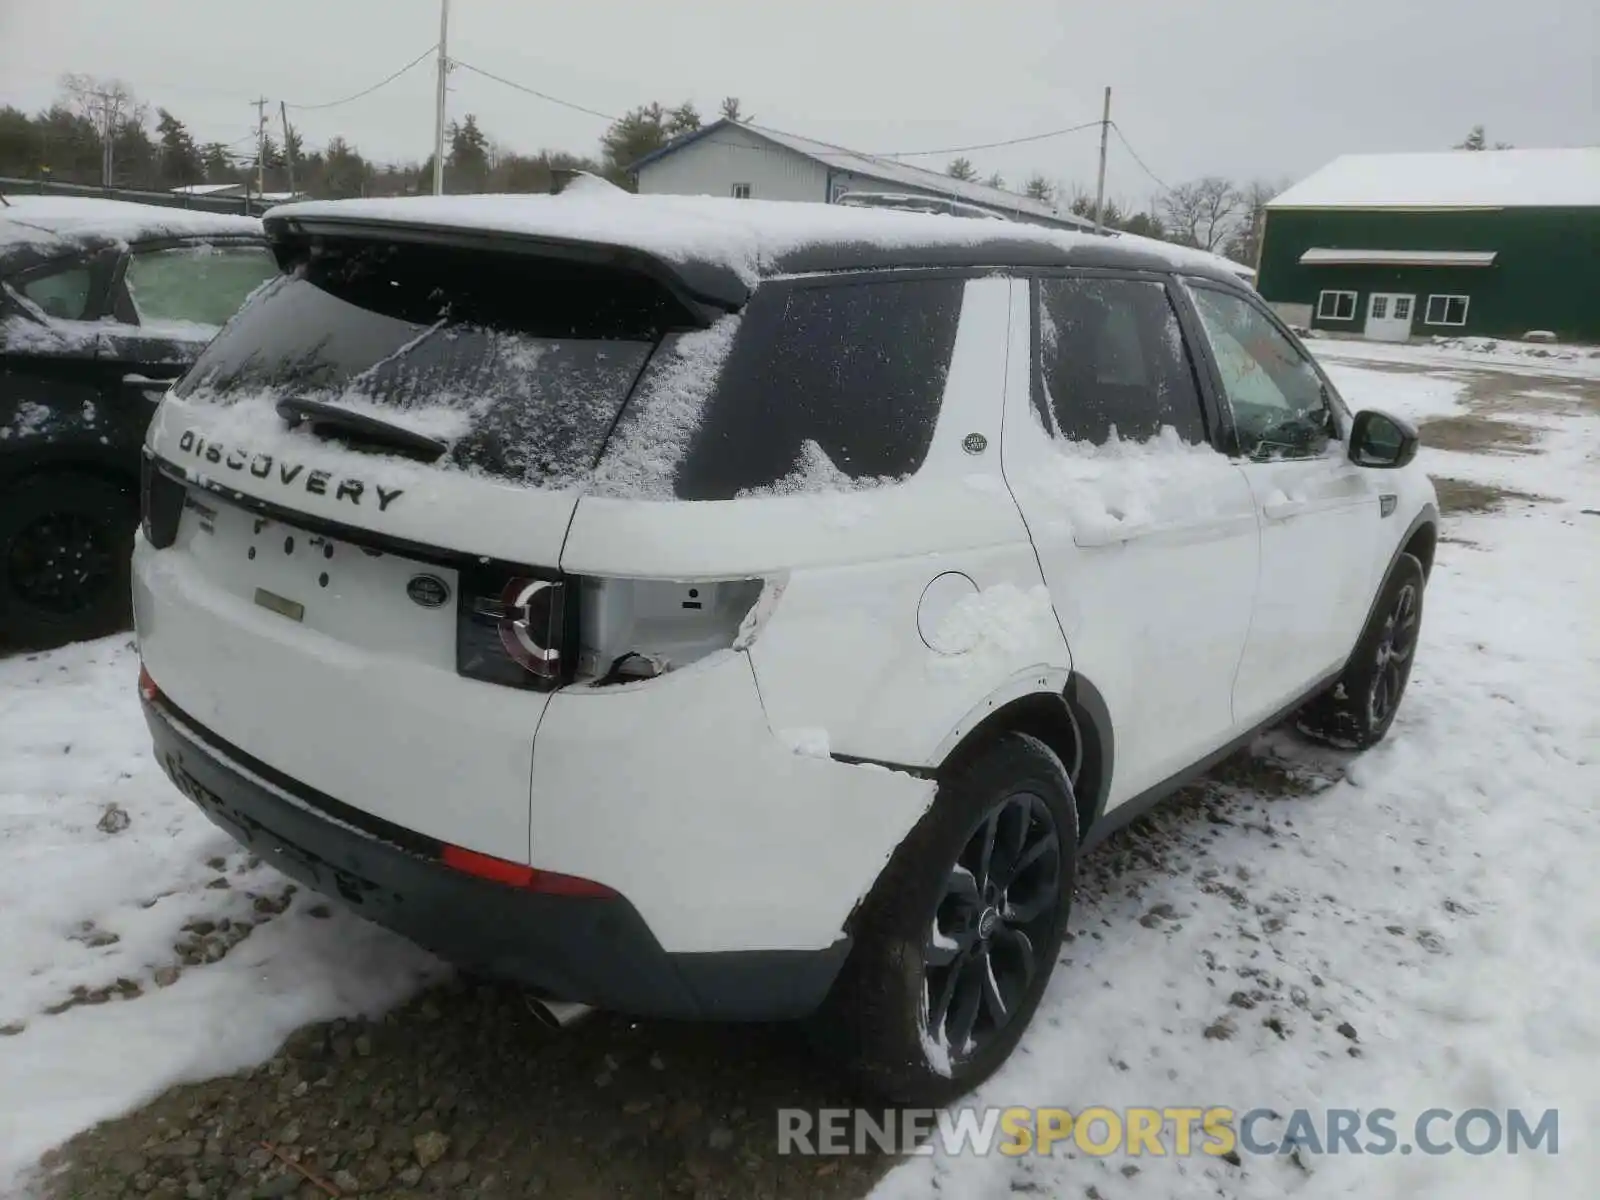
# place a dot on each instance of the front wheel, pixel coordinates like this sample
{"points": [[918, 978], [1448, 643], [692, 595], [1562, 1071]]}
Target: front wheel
{"points": [[1358, 709], [956, 943]]}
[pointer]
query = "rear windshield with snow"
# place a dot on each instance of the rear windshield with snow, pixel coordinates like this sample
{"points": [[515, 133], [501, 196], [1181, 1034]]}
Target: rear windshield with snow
{"points": [[520, 365], [817, 386]]}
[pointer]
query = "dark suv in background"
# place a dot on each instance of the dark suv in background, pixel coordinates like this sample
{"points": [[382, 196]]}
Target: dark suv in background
{"points": [[102, 304]]}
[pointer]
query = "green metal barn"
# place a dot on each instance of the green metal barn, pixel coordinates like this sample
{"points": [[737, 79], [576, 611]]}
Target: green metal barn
{"points": [[1395, 246]]}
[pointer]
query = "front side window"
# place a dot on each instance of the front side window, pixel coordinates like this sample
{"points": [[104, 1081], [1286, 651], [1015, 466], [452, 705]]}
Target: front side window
{"points": [[1336, 306], [1112, 362], [1278, 401], [822, 388], [202, 284], [1447, 310], [62, 293]]}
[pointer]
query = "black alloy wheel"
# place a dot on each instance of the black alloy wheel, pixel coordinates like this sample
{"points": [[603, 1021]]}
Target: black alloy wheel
{"points": [[1000, 903], [1392, 658]]}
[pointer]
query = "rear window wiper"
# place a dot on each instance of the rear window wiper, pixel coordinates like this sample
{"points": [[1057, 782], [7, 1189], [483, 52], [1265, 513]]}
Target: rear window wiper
{"points": [[359, 431]]}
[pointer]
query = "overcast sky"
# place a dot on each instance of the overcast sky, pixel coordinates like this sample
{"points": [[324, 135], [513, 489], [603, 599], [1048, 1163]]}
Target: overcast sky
{"points": [[1246, 88]]}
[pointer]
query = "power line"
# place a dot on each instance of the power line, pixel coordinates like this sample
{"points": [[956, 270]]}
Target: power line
{"points": [[384, 82], [456, 62], [1122, 137], [1032, 137]]}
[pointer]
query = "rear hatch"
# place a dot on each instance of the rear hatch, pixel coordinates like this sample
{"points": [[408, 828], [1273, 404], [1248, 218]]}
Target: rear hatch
{"points": [[356, 503]]}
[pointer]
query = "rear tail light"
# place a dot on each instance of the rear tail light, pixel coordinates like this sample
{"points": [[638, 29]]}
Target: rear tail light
{"points": [[540, 632], [513, 629], [160, 503], [148, 691], [530, 879]]}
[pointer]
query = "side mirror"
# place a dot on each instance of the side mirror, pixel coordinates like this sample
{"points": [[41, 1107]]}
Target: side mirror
{"points": [[1383, 441], [143, 387]]}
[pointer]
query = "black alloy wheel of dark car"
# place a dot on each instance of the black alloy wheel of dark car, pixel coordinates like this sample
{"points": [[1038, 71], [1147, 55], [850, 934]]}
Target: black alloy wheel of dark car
{"points": [[65, 542], [1358, 709], [955, 944]]}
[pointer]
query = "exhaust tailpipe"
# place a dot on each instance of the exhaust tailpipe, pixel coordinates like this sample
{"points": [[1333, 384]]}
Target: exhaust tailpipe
{"points": [[557, 1014]]}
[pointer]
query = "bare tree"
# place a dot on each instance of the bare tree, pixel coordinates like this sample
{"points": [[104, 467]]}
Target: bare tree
{"points": [[112, 108], [730, 109], [1203, 213], [1244, 245]]}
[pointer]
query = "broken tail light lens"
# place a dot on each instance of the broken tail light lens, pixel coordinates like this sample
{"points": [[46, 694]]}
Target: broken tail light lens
{"points": [[513, 629]]}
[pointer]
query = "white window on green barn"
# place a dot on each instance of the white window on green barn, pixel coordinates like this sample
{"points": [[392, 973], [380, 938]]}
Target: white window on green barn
{"points": [[1446, 310], [1336, 306]]}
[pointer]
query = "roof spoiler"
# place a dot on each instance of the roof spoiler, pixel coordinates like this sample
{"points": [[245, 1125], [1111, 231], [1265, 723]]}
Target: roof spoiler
{"points": [[705, 289]]}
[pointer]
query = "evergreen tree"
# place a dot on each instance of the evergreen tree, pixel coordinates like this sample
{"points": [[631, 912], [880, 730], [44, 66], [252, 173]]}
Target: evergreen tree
{"points": [[180, 157], [466, 168], [641, 131], [962, 169], [1477, 139], [344, 172], [217, 164], [1039, 188]]}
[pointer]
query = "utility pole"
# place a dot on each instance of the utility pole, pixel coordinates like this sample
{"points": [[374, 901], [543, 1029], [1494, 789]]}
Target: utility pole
{"points": [[288, 145], [108, 126], [261, 145], [1100, 186], [438, 114]]}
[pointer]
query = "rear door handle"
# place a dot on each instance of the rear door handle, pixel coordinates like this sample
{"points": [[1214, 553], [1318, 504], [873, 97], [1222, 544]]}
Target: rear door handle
{"points": [[1283, 509], [1200, 529]]}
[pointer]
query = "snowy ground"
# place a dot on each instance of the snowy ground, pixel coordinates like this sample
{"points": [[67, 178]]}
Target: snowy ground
{"points": [[1438, 896]]}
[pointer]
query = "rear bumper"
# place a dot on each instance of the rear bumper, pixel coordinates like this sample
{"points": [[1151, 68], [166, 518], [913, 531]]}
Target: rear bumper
{"points": [[596, 951]]}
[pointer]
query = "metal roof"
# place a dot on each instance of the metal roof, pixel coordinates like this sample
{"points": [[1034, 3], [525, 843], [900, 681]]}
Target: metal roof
{"points": [[1452, 179], [883, 170]]}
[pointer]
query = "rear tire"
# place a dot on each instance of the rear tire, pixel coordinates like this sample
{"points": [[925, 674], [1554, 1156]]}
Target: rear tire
{"points": [[1358, 709], [66, 541], [955, 945]]}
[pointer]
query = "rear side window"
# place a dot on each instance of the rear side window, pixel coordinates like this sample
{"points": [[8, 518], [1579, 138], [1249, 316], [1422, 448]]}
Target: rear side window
{"points": [[826, 387], [519, 364], [63, 293], [201, 284], [1112, 358]]}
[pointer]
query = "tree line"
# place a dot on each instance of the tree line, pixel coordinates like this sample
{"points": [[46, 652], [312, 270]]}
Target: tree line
{"points": [[1211, 213], [154, 149]]}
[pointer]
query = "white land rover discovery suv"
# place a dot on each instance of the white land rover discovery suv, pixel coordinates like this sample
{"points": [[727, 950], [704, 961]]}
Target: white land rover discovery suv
{"points": [[743, 611]]}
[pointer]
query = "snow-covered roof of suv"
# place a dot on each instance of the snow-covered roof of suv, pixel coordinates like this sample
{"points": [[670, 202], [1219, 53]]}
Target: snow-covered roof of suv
{"points": [[720, 248], [35, 228]]}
